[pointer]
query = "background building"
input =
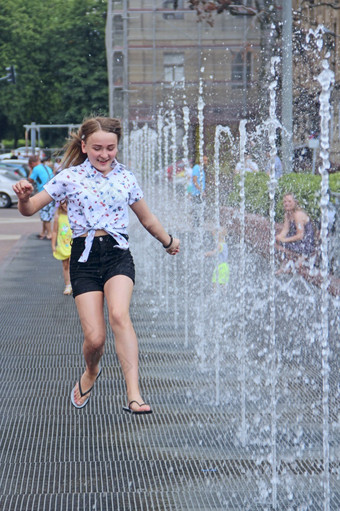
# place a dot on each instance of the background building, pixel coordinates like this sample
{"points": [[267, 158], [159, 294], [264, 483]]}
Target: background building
{"points": [[311, 16], [157, 56]]}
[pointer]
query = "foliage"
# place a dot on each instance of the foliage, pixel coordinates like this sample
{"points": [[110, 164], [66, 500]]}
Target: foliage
{"points": [[305, 188], [256, 193], [58, 50], [206, 8], [9, 143], [334, 182]]}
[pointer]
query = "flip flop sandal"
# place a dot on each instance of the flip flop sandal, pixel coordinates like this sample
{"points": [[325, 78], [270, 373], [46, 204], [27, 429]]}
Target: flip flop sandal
{"points": [[82, 394], [128, 409]]}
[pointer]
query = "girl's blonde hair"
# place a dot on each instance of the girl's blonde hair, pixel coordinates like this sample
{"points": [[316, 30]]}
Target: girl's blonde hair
{"points": [[60, 207], [73, 152]]}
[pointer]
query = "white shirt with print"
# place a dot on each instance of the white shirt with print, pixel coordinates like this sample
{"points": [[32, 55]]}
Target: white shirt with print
{"points": [[96, 201]]}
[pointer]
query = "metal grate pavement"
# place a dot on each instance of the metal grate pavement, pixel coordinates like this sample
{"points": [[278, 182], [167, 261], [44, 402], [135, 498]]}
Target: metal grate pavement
{"points": [[188, 455]]}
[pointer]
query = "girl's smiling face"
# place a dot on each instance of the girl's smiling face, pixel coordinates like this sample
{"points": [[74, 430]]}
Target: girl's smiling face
{"points": [[101, 148]]}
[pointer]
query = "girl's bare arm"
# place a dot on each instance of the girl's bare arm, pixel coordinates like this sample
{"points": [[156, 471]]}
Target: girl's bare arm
{"points": [[28, 205], [300, 220], [151, 223], [282, 235]]}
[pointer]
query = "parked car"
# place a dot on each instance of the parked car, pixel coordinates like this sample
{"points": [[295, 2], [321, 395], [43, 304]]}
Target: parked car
{"points": [[11, 170], [25, 152], [22, 153], [5, 156], [19, 167], [7, 195], [9, 174]]}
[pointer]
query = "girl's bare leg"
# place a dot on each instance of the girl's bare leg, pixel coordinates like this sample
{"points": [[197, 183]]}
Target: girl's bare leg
{"points": [[47, 229], [66, 271], [91, 314], [118, 292]]}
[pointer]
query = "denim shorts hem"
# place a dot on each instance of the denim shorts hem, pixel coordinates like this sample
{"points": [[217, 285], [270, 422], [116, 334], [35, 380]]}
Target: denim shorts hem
{"points": [[105, 261], [88, 286]]}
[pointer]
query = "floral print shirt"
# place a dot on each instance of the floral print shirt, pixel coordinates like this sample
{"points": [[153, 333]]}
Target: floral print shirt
{"points": [[96, 201]]}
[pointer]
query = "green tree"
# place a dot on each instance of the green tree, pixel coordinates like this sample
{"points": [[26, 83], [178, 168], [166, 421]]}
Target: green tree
{"points": [[80, 67], [58, 49]]}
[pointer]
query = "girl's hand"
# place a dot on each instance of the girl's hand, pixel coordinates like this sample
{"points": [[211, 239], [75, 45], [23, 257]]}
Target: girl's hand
{"points": [[174, 248], [23, 189]]}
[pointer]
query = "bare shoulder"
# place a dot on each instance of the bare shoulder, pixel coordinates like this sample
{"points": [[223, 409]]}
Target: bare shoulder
{"points": [[301, 217]]}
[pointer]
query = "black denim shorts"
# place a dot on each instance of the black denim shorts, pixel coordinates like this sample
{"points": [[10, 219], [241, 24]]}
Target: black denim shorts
{"points": [[105, 261]]}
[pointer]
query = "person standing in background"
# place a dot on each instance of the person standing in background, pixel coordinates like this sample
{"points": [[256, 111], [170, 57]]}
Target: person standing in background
{"points": [[277, 164], [40, 174], [249, 165], [197, 189], [57, 166]]}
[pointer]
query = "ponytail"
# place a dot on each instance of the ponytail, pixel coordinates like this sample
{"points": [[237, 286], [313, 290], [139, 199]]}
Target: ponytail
{"points": [[73, 153]]}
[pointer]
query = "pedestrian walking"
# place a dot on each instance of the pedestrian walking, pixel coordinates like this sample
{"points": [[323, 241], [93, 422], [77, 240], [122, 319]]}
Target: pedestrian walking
{"points": [[40, 174], [99, 191], [57, 165], [250, 165], [277, 165], [197, 190]]}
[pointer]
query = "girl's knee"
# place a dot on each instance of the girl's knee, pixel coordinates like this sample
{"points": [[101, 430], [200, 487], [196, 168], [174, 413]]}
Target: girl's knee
{"points": [[95, 340], [119, 319]]}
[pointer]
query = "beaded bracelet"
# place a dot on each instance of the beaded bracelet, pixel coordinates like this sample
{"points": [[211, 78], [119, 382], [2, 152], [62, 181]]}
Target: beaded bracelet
{"points": [[171, 240]]}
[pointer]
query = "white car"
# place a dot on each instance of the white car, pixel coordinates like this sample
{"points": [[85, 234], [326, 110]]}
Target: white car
{"points": [[19, 167], [25, 152], [5, 156], [7, 195]]}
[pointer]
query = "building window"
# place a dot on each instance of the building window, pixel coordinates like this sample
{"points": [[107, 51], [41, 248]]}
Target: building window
{"points": [[241, 70], [117, 30], [173, 13], [117, 4], [173, 67]]}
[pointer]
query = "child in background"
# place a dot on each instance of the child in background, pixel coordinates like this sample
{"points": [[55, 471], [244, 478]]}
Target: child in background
{"points": [[61, 243], [57, 167], [221, 272]]}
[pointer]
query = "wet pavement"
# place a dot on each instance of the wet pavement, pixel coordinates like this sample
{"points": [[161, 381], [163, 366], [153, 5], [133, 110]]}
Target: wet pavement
{"points": [[194, 452], [13, 228]]}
